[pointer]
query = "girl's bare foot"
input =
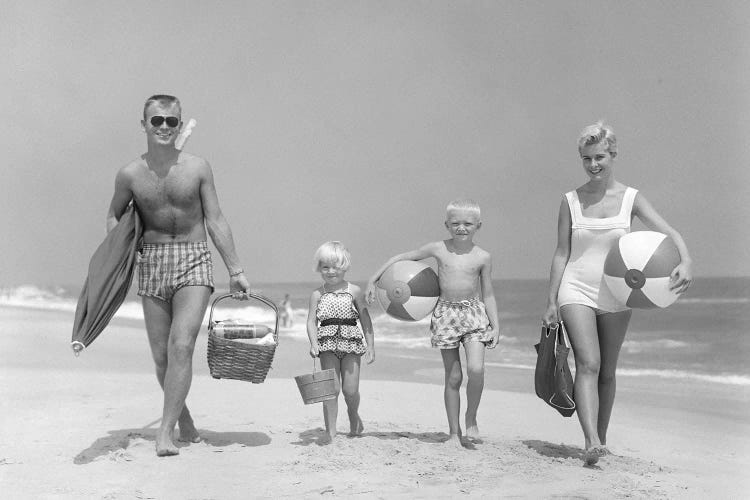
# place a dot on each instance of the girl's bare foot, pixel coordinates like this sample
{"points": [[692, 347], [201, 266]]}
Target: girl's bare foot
{"points": [[454, 440]]}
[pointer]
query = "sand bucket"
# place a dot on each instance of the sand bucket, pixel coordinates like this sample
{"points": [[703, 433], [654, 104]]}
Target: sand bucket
{"points": [[317, 386]]}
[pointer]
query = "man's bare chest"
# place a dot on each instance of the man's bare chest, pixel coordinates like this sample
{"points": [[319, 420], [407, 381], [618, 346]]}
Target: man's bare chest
{"points": [[173, 189]]}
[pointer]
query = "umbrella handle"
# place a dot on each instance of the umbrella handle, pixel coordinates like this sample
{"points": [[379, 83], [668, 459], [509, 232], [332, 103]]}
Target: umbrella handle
{"points": [[255, 296], [77, 347]]}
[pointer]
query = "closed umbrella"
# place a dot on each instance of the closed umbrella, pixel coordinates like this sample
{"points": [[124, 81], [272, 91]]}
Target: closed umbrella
{"points": [[110, 274]]}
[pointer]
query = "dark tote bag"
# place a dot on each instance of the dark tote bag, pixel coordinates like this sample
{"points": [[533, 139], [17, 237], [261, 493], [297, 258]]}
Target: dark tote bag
{"points": [[553, 381]]}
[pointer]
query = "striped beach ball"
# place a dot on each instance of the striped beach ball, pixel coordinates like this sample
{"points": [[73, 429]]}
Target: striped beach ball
{"points": [[637, 269], [408, 290]]}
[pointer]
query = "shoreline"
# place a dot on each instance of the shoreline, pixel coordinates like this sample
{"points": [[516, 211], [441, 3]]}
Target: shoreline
{"points": [[422, 365]]}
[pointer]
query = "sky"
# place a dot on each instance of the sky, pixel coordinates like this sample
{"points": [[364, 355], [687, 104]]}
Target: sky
{"points": [[359, 121]]}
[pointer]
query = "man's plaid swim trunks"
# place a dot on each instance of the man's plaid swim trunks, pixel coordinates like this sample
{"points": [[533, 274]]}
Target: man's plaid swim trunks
{"points": [[164, 268]]}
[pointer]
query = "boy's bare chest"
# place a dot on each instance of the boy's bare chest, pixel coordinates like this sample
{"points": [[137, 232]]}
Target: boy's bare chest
{"points": [[467, 264]]}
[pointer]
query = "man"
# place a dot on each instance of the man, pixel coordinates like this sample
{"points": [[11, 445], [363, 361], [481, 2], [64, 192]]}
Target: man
{"points": [[175, 196]]}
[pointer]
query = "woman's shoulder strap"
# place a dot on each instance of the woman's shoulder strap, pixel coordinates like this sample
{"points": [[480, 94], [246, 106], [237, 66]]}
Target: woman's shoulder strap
{"points": [[627, 200], [572, 198]]}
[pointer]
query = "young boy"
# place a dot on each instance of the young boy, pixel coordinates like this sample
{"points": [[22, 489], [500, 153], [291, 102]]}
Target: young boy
{"points": [[466, 312]]}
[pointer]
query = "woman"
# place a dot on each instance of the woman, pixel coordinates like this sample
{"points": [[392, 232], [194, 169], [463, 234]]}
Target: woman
{"points": [[591, 219]]}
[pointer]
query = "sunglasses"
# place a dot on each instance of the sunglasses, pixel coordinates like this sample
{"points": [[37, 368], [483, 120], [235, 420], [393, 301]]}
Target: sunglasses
{"points": [[157, 120]]}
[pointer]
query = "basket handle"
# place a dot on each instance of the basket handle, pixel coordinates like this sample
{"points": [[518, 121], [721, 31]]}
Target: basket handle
{"points": [[251, 295]]}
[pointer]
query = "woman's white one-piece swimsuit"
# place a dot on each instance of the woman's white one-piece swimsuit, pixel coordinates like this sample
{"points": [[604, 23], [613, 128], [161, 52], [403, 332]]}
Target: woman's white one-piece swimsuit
{"points": [[590, 241]]}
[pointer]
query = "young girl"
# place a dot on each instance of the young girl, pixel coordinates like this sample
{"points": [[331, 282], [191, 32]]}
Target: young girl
{"points": [[334, 334], [591, 218]]}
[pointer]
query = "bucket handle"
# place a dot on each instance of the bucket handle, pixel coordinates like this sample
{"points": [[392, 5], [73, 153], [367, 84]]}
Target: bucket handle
{"points": [[251, 295]]}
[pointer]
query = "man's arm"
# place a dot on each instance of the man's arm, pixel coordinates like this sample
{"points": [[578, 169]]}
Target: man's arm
{"points": [[220, 232], [120, 199]]}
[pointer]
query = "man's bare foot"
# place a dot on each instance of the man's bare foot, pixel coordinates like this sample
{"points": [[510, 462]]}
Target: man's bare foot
{"points": [[166, 448], [188, 432], [454, 440], [356, 426], [593, 454], [327, 438]]}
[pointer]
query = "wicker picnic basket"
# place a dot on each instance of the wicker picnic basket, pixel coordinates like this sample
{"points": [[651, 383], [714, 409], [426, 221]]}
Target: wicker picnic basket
{"points": [[228, 358]]}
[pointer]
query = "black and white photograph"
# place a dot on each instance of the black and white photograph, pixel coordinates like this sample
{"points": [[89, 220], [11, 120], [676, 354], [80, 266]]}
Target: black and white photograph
{"points": [[374, 249]]}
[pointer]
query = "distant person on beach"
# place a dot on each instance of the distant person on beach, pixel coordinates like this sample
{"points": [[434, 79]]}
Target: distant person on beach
{"points": [[175, 196], [591, 218], [466, 312], [286, 313], [335, 310]]}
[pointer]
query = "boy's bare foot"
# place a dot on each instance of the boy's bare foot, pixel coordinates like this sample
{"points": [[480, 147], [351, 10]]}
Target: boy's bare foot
{"points": [[356, 427], [454, 440]]}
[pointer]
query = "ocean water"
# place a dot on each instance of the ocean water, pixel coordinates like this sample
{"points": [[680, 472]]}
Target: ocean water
{"points": [[700, 337]]}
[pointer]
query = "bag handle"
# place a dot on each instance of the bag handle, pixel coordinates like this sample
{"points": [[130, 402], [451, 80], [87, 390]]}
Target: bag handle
{"points": [[562, 337], [561, 334], [255, 296], [551, 328]]}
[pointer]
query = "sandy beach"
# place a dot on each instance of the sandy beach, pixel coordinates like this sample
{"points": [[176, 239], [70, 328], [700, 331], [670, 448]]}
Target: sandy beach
{"points": [[84, 428]]}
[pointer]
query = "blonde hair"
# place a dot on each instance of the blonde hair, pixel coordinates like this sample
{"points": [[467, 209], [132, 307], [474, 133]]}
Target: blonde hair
{"points": [[464, 204], [334, 254], [596, 133]]}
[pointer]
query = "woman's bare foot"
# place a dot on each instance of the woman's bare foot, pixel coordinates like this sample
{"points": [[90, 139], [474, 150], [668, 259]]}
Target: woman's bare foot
{"points": [[472, 430]]}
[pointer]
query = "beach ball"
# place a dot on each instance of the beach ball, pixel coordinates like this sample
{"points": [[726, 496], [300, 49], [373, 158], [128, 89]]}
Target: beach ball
{"points": [[408, 290], [637, 269]]}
